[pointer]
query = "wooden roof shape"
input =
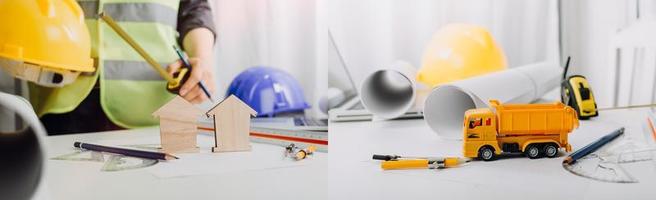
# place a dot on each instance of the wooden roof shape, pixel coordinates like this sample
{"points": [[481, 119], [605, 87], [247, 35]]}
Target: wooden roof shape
{"points": [[178, 109], [231, 101]]}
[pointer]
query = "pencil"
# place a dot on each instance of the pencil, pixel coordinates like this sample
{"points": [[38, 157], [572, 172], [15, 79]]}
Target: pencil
{"points": [[125, 152], [651, 127], [437, 163], [592, 147], [186, 64]]}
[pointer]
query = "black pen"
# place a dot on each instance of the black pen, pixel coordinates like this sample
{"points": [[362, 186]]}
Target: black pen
{"points": [[592, 147], [186, 64], [126, 152]]}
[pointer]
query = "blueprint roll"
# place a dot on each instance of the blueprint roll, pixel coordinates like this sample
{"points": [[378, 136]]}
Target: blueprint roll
{"points": [[445, 106], [389, 92], [22, 150]]}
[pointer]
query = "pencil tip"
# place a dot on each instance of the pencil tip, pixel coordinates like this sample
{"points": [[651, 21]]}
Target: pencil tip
{"points": [[171, 157]]}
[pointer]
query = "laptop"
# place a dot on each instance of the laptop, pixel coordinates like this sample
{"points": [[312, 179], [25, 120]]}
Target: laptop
{"points": [[291, 123], [352, 109]]}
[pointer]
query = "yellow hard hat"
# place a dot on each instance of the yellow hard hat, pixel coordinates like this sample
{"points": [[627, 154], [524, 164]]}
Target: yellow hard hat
{"points": [[459, 51], [44, 34]]}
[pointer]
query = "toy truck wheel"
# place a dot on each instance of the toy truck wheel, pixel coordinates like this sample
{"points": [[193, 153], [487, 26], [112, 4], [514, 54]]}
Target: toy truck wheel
{"points": [[550, 150], [532, 151], [486, 153]]}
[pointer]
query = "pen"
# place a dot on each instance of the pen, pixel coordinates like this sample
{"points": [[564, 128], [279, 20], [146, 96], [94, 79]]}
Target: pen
{"points": [[437, 163], [186, 64], [126, 152], [592, 147]]}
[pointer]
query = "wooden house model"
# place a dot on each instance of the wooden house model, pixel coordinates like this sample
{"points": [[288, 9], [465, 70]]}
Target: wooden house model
{"points": [[178, 126], [231, 125]]}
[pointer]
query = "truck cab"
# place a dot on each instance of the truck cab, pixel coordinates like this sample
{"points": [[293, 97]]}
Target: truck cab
{"points": [[479, 131]]}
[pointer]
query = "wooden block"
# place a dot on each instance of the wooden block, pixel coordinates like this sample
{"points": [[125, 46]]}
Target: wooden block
{"points": [[178, 137], [219, 149], [231, 125], [178, 128]]}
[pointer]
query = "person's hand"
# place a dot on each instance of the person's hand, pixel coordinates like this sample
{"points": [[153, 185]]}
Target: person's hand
{"points": [[201, 69]]}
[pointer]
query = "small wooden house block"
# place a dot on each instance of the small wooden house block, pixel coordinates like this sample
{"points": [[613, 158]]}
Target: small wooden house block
{"points": [[178, 127], [232, 118]]}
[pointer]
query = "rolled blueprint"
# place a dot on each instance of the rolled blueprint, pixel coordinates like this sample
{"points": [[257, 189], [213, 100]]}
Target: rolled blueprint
{"points": [[389, 92], [445, 105], [23, 150]]}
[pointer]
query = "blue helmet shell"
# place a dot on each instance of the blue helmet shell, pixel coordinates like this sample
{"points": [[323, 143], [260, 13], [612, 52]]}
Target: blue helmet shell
{"points": [[269, 91]]}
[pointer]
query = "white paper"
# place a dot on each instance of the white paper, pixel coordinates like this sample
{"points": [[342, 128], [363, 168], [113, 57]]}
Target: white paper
{"points": [[445, 105], [491, 179], [261, 157]]}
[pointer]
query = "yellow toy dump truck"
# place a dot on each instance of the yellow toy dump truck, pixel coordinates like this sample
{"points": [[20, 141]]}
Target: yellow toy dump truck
{"points": [[535, 129]]}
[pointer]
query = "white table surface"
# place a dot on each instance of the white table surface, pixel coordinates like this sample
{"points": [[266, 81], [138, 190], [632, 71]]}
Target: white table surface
{"points": [[354, 175], [347, 171], [77, 180]]}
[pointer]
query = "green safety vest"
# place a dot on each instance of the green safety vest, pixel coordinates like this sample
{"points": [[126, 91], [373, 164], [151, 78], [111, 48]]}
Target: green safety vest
{"points": [[130, 90]]}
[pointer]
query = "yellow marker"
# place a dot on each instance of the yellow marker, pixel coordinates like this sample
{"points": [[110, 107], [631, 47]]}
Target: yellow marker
{"points": [[434, 163]]}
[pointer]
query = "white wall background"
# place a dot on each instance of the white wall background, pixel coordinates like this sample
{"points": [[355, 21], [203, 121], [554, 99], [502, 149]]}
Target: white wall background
{"points": [[588, 30], [374, 33], [289, 35]]}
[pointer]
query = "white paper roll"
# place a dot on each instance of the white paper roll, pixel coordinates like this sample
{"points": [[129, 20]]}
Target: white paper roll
{"points": [[390, 92], [28, 174], [445, 106]]}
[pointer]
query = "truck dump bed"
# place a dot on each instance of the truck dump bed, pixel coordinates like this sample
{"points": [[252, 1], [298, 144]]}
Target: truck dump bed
{"points": [[523, 119]]}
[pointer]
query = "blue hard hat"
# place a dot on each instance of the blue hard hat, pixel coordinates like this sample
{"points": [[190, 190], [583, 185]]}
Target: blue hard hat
{"points": [[269, 91]]}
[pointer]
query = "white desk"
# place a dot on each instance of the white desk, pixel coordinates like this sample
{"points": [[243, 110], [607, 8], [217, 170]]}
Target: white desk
{"points": [[354, 175], [82, 180], [349, 172]]}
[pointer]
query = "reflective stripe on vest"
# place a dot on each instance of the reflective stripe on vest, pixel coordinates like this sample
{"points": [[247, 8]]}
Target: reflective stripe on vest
{"points": [[129, 100], [130, 70], [129, 89], [132, 12]]}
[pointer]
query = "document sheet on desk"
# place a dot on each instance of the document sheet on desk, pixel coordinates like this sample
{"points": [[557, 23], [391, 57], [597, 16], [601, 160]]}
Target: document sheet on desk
{"points": [[534, 178], [261, 157]]}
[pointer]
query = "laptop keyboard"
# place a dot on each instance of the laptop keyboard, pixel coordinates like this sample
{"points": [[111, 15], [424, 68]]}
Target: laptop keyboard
{"points": [[301, 121]]}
